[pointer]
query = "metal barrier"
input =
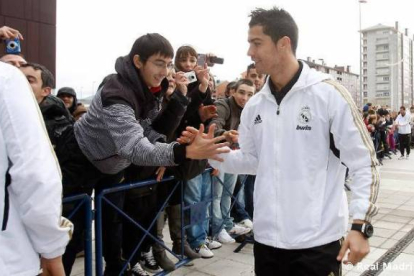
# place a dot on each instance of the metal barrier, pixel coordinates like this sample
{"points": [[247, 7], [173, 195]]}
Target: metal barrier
{"points": [[85, 201], [100, 199], [196, 215]]}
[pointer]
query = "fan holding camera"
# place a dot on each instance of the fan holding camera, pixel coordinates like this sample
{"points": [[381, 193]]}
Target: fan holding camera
{"points": [[11, 38]]}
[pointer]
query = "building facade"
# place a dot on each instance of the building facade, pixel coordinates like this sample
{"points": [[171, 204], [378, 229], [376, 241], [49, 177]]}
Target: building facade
{"points": [[387, 66], [36, 21], [341, 74]]}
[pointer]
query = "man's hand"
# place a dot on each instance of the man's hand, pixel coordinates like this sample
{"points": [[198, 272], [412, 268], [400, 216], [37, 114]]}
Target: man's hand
{"points": [[9, 33], [160, 173], [181, 82], [215, 172], [206, 146], [358, 248], [52, 267], [232, 136], [187, 136], [207, 112], [203, 77]]}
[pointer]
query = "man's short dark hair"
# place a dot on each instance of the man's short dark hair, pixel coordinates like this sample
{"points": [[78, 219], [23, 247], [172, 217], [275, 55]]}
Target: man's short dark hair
{"points": [[402, 107], [369, 104], [149, 45], [250, 67], [243, 81], [47, 77], [276, 23]]}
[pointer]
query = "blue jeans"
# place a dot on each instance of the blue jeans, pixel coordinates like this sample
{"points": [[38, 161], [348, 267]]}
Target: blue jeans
{"points": [[198, 190], [222, 201]]}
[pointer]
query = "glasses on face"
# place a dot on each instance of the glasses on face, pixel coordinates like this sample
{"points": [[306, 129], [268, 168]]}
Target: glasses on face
{"points": [[162, 65]]}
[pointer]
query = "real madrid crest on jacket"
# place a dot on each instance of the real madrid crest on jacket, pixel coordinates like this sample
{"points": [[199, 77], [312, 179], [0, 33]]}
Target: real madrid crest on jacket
{"points": [[304, 118]]}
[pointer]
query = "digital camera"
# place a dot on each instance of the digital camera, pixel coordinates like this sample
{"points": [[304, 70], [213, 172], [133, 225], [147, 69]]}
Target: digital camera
{"points": [[13, 46], [191, 76], [203, 58]]}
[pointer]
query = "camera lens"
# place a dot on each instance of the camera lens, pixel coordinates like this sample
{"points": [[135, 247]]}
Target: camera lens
{"points": [[12, 45]]}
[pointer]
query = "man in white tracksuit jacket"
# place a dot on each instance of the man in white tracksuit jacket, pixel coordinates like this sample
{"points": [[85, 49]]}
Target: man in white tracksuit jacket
{"points": [[298, 148], [30, 185]]}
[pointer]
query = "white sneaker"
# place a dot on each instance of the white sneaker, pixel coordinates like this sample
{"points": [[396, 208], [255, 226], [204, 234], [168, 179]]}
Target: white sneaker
{"points": [[204, 252], [401, 157], [224, 237], [137, 270], [239, 230], [247, 223], [407, 157], [212, 244]]}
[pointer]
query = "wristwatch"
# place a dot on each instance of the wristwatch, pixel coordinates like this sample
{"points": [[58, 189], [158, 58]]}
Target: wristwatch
{"points": [[366, 229]]}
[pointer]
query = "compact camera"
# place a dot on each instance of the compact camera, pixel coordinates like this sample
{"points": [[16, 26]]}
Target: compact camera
{"points": [[13, 46], [191, 76]]}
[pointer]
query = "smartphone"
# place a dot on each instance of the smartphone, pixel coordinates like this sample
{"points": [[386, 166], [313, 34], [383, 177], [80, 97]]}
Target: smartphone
{"points": [[201, 60]]}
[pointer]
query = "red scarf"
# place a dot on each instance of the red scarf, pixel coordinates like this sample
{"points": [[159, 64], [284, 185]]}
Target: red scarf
{"points": [[155, 89]]}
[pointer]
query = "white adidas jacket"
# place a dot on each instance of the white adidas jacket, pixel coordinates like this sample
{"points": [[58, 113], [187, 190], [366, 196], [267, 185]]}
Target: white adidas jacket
{"points": [[32, 224], [299, 198]]}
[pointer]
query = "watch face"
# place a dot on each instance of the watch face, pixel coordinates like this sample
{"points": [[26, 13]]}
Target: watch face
{"points": [[369, 230]]}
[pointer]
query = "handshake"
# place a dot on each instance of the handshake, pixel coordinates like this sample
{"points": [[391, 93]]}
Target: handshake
{"points": [[202, 145]]}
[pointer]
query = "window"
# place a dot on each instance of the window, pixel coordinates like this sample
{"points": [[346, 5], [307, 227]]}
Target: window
{"points": [[365, 94], [382, 40], [382, 47], [382, 56], [382, 63], [382, 87], [365, 86], [383, 71]]}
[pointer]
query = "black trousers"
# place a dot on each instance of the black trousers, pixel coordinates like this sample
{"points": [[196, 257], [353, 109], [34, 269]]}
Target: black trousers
{"points": [[142, 209], [316, 261], [404, 143]]}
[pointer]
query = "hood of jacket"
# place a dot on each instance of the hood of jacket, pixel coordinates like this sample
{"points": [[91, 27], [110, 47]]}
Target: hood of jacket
{"points": [[128, 87]]}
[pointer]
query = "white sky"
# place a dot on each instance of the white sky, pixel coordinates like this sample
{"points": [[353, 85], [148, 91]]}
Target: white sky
{"points": [[91, 34]]}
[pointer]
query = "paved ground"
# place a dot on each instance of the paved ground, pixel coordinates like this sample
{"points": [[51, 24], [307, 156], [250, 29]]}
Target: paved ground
{"points": [[395, 219]]}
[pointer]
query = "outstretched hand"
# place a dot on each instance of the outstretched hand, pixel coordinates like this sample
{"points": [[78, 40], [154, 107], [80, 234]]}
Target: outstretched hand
{"points": [[207, 112], [206, 146]]}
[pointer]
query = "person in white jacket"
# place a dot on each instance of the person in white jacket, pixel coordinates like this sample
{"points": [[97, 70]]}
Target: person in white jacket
{"points": [[404, 131], [297, 135], [30, 185]]}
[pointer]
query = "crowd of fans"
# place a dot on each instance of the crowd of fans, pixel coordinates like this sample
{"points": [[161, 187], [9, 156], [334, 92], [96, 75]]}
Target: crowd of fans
{"points": [[391, 131], [147, 117]]}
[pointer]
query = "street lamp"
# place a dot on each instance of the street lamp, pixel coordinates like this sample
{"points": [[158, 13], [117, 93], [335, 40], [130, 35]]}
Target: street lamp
{"points": [[361, 93]]}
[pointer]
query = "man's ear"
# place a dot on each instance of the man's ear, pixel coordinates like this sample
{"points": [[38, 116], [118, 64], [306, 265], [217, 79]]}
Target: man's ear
{"points": [[46, 91], [284, 44], [137, 62]]}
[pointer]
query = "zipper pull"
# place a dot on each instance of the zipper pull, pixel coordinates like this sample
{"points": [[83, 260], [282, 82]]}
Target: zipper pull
{"points": [[278, 110]]}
